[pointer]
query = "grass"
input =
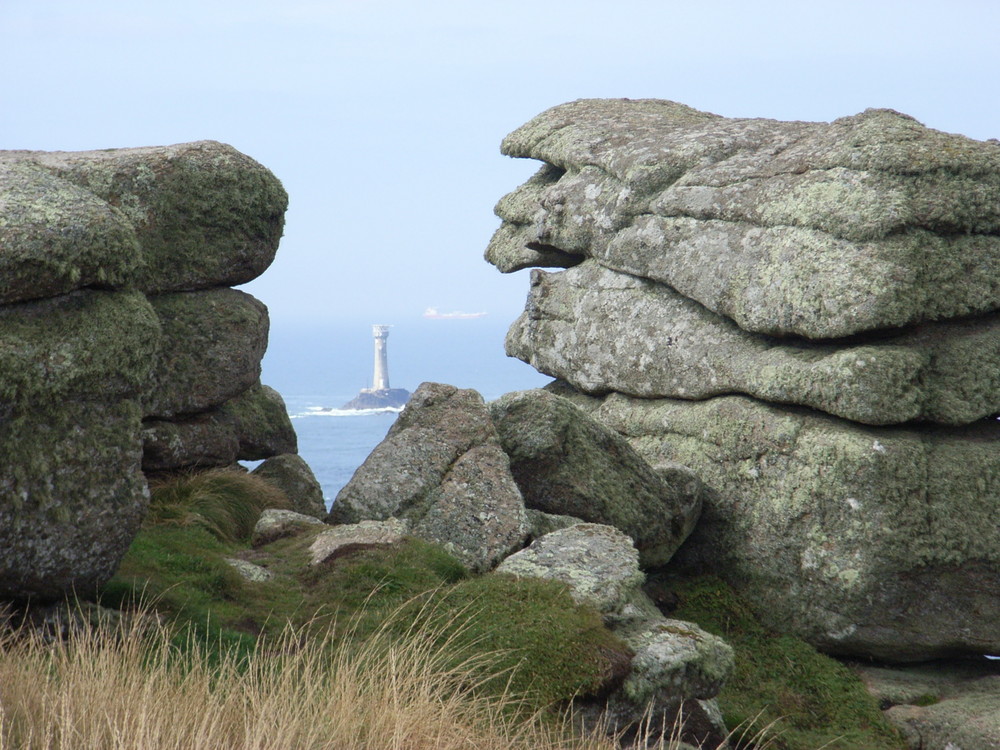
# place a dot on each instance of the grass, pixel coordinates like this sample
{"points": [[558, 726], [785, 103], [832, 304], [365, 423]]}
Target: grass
{"points": [[518, 649], [225, 502], [810, 699], [550, 649], [132, 687]]}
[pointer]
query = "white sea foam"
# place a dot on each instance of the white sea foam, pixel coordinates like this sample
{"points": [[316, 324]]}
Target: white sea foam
{"points": [[323, 411]]}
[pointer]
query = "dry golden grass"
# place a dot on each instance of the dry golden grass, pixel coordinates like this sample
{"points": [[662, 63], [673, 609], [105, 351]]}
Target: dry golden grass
{"points": [[130, 687]]}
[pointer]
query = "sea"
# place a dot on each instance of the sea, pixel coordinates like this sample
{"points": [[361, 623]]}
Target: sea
{"points": [[318, 367]]}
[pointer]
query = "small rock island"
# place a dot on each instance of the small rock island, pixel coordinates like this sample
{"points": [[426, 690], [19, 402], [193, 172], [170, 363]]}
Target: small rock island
{"points": [[380, 395]]}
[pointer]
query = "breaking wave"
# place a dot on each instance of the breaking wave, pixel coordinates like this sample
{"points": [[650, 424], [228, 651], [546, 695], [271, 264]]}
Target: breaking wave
{"points": [[322, 411]]}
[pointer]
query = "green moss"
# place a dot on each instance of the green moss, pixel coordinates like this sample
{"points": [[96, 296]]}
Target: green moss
{"points": [[813, 699], [58, 237], [546, 646], [76, 346]]}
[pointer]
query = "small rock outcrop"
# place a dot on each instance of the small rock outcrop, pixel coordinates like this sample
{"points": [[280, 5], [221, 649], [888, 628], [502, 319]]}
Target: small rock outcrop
{"points": [[941, 705], [441, 468], [804, 314], [341, 540], [567, 463], [122, 347], [676, 665], [291, 474], [278, 523]]}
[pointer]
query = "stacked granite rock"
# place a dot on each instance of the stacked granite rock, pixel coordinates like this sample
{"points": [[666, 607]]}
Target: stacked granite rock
{"points": [[122, 347], [806, 315], [482, 480]]}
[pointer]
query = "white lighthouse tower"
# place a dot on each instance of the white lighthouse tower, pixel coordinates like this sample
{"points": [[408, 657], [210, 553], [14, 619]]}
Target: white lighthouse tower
{"points": [[380, 379], [380, 395]]}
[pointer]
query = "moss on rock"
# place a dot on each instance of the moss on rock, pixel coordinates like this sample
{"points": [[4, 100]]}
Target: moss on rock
{"points": [[213, 343], [813, 700], [57, 236], [84, 345], [71, 496], [204, 214]]}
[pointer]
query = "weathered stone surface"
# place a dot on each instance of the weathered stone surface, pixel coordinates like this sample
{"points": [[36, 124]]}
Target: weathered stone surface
{"points": [[878, 542], [541, 523], [441, 468], [606, 331], [567, 463], [252, 426], [212, 346], [249, 571], [198, 440], [57, 237], [203, 214], [476, 513], [277, 523], [886, 221], [598, 562], [673, 658], [675, 662], [941, 705], [292, 475], [71, 496], [261, 423], [341, 540], [82, 345]]}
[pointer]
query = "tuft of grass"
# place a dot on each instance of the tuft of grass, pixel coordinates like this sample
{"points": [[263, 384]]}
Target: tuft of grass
{"points": [[808, 699], [224, 502]]}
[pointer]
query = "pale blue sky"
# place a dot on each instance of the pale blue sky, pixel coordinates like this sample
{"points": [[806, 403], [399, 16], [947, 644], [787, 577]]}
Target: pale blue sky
{"points": [[383, 118]]}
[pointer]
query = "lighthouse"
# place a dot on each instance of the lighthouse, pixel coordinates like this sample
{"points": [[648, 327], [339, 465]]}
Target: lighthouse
{"points": [[380, 395], [380, 380]]}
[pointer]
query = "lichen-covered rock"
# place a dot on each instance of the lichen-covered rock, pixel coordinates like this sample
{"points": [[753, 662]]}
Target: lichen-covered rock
{"points": [[599, 563], [277, 523], [204, 214], [77, 346], [606, 331], [340, 540], [249, 571], [57, 237], [198, 440], [293, 476], [672, 658], [883, 220], [879, 542], [567, 463], [72, 496], [261, 422], [476, 512], [212, 346], [674, 662], [541, 523], [441, 468], [252, 426], [942, 705]]}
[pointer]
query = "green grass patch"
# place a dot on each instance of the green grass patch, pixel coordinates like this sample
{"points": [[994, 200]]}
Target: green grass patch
{"points": [[225, 502], [814, 700], [547, 649]]}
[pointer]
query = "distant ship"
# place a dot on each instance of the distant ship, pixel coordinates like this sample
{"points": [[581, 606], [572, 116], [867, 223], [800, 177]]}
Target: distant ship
{"points": [[433, 314], [380, 395]]}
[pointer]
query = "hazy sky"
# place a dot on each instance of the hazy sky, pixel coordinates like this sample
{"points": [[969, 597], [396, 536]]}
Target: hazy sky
{"points": [[383, 119]]}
